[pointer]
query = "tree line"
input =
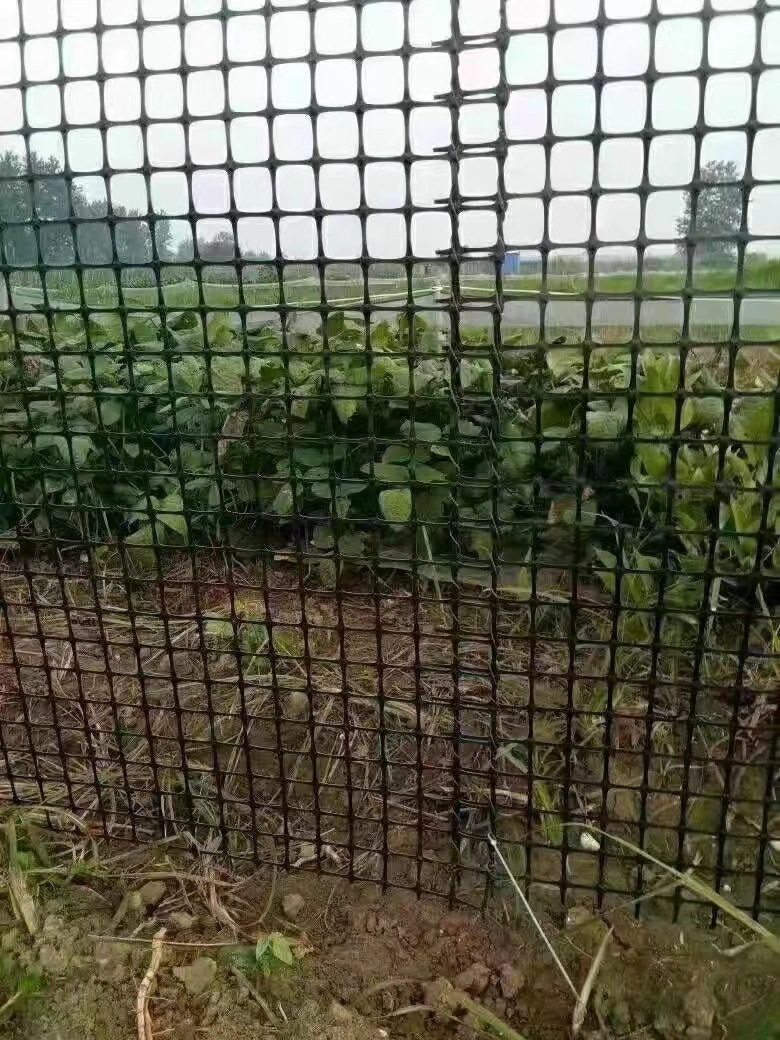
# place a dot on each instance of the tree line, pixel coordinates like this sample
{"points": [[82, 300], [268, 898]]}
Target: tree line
{"points": [[41, 191]]}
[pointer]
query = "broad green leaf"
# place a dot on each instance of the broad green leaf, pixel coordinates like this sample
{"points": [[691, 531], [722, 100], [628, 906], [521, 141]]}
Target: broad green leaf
{"points": [[606, 425], [387, 472], [703, 412], [317, 473], [396, 504], [402, 453], [441, 451], [346, 401], [301, 399], [352, 544], [466, 428], [564, 361], [322, 538], [227, 375], [517, 456], [170, 512], [110, 412], [334, 326], [397, 453], [310, 456], [608, 560], [430, 342], [280, 948], [283, 502], [221, 629], [752, 419], [187, 374], [45, 441], [392, 474], [426, 474], [382, 337], [429, 504], [421, 431], [142, 536], [80, 446]]}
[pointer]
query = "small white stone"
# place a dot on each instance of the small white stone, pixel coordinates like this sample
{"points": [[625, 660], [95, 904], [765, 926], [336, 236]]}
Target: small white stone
{"points": [[775, 845], [588, 842]]}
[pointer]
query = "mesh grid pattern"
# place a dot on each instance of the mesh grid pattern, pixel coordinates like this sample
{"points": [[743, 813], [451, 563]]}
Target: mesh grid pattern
{"points": [[389, 433]]}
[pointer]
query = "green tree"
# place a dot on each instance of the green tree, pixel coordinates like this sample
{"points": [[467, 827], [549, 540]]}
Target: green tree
{"points": [[221, 246], [24, 195], [718, 212]]}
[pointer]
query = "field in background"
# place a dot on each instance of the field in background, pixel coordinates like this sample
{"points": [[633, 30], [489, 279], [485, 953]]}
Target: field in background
{"points": [[179, 288]]}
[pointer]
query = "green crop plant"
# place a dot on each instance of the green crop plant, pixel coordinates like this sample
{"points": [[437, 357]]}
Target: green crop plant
{"points": [[271, 953], [382, 446]]}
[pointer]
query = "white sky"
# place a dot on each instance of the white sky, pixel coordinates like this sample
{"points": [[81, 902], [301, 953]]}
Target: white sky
{"points": [[142, 68]]}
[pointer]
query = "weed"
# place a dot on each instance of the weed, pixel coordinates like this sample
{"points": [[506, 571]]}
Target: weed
{"points": [[158, 441], [697, 887], [17, 986], [271, 953]]}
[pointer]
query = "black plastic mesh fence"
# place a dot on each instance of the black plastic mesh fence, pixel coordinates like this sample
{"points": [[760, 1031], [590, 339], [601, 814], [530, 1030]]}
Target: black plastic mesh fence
{"points": [[388, 449]]}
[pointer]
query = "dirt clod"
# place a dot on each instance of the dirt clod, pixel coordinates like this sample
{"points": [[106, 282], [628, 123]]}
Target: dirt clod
{"points": [[185, 1030], [499, 1005], [699, 1008], [9, 939], [373, 962], [668, 1025], [181, 921], [112, 960], [511, 980], [198, 976], [53, 926], [52, 961], [292, 905], [151, 893], [340, 1014], [474, 980], [212, 1010]]}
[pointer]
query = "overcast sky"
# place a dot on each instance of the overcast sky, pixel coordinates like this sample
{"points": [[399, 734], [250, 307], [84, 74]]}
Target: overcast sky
{"points": [[143, 65]]}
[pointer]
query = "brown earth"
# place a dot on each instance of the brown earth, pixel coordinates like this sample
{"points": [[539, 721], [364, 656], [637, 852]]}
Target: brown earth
{"points": [[367, 965]]}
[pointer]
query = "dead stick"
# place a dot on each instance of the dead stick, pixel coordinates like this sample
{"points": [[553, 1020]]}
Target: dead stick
{"points": [[142, 1019], [248, 988]]}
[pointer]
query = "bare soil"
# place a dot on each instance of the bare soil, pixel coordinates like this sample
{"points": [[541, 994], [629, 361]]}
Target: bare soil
{"points": [[368, 965]]}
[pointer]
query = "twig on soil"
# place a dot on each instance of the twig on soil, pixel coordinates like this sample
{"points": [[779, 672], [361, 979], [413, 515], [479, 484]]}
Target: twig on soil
{"points": [[268, 904], [452, 1002], [142, 1018], [6, 1007], [391, 983], [163, 942], [250, 990], [487, 1018], [534, 918], [581, 1007]]}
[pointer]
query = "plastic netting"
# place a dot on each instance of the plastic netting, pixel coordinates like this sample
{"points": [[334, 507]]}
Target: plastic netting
{"points": [[388, 449]]}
